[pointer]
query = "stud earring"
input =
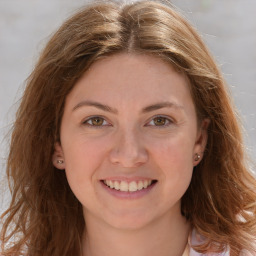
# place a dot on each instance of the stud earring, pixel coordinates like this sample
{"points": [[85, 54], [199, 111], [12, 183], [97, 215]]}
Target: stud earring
{"points": [[60, 161], [197, 157]]}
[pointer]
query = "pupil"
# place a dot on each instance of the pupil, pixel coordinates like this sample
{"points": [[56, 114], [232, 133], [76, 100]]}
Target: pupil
{"points": [[97, 121], [160, 121]]}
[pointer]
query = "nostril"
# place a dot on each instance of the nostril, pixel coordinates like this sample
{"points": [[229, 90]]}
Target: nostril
{"points": [[128, 155]]}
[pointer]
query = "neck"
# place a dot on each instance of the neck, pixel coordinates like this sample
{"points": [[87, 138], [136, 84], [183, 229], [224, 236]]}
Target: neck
{"points": [[164, 237]]}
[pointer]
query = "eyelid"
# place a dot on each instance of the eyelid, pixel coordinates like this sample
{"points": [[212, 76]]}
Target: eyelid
{"points": [[168, 118], [85, 121]]}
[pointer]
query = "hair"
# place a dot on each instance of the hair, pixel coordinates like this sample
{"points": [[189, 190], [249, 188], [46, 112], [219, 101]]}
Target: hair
{"points": [[44, 216]]}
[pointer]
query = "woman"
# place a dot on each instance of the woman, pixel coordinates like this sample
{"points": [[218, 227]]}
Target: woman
{"points": [[126, 143]]}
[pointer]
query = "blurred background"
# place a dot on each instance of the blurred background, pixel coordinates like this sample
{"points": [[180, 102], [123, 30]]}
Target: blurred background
{"points": [[227, 26]]}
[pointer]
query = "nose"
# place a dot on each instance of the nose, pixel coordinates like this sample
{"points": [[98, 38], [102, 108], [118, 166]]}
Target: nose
{"points": [[128, 150]]}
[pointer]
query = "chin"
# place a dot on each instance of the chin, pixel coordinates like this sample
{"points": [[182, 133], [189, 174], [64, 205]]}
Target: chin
{"points": [[130, 221]]}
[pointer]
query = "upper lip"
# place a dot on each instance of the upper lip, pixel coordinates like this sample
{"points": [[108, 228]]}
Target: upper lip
{"points": [[128, 179]]}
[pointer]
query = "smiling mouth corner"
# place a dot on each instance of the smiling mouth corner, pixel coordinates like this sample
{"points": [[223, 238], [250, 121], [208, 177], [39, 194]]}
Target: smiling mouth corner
{"points": [[125, 186]]}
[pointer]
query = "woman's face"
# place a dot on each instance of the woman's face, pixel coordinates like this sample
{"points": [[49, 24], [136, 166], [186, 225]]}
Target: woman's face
{"points": [[129, 136]]}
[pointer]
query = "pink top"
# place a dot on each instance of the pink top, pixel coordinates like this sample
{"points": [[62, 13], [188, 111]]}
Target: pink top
{"points": [[194, 253], [197, 239]]}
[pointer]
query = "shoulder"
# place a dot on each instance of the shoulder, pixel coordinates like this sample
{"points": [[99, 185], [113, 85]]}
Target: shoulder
{"points": [[196, 239], [194, 253]]}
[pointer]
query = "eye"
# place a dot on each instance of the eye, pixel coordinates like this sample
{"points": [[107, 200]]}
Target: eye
{"points": [[160, 121], [96, 121]]}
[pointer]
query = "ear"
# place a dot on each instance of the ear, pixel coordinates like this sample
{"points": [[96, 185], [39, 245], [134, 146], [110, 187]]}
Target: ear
{"points": [[58, 159], [201, 141]]}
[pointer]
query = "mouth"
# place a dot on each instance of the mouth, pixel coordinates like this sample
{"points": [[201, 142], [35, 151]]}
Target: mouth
{"points": [[131, 186]]}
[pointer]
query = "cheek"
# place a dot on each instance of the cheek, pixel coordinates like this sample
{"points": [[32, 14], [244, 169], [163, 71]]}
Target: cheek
{"points": [[174, 158], [83, 158], [174, 151], [81, 151]]}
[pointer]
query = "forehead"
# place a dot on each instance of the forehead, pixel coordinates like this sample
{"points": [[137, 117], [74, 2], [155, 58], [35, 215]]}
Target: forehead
{"points": [[123, 78]]}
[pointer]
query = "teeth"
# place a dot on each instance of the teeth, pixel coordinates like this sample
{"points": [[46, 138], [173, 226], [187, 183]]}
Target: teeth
{"points": [[140, 185], [125, 186], [116, 185], [111, 184], [133, 186], [145, 184]]}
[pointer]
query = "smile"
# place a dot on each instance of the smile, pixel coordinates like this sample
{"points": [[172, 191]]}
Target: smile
{"points": [[125, 186]]}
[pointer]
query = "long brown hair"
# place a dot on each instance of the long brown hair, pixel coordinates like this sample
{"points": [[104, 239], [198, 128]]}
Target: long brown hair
{"points": [[44, 217]]}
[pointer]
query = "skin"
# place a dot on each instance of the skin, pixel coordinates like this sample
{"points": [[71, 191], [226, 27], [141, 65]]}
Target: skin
{"points": [[128, 142]]}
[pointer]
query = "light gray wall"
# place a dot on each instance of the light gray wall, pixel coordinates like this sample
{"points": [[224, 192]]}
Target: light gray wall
{"points": [[227, 26]]}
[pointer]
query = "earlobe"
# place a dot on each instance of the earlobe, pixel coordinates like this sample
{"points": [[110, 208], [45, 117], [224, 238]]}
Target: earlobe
{"points": [[201, 141], [58, 157]]}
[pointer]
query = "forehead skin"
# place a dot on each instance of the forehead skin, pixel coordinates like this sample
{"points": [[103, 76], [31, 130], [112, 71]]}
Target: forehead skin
{"points": [[128, 74]]}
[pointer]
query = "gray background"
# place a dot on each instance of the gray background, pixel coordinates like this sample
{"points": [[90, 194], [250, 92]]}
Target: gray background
{"points": [[227, 26]]}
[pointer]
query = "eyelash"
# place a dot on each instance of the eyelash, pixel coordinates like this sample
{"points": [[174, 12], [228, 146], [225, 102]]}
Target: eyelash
{"points": [[86, 122], [166, 119]]}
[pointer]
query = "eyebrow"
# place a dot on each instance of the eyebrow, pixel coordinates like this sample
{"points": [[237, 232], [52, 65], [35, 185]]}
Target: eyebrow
{"points": [[147, 109], [96, 105], [161, 105]]}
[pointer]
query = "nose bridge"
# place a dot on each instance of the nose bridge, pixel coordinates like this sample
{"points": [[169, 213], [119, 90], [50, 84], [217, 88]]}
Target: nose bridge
{"points": [[128, 148]]}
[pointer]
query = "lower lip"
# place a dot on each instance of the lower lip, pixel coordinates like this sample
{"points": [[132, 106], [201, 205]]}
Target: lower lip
{"points": [[128, 195]]}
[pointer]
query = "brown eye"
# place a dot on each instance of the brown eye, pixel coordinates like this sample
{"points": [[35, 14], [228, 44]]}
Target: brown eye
{"points": [[159, 121], [96, 121]]}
